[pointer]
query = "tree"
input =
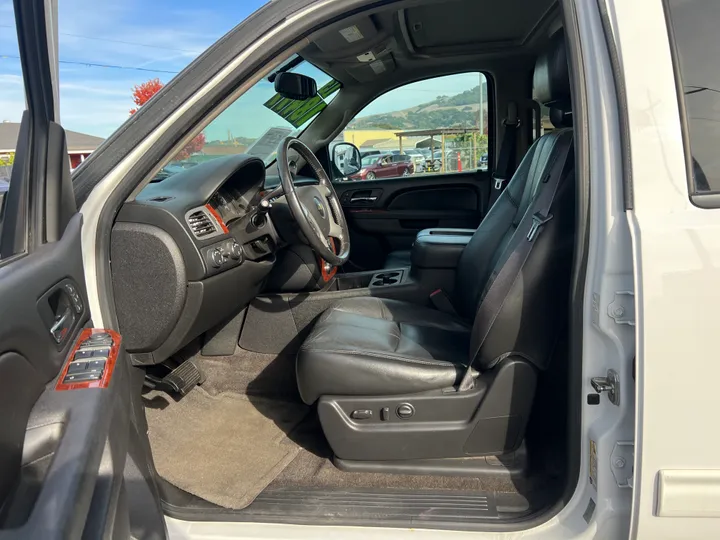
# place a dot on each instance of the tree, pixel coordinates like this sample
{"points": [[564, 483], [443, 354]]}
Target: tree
{"points": [[7, 160], [142, 93]]}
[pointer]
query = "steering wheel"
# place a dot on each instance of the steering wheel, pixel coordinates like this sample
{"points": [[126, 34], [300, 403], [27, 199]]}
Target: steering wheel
{"points": [[316, 209]]}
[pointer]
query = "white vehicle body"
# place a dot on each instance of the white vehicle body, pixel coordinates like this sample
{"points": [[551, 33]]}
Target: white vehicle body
{"points": [[648, 464]]}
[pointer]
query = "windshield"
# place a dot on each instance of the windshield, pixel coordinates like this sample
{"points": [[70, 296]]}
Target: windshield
{"points": [[369, 160], [256, 122]]}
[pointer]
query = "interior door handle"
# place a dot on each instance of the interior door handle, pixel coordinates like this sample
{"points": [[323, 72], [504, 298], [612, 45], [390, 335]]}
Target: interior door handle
{"points": [[63, 323], [364, 199]]}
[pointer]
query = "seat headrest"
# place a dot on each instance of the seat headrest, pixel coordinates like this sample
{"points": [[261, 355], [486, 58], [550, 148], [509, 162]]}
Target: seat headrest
{"points": [[551, 80]]}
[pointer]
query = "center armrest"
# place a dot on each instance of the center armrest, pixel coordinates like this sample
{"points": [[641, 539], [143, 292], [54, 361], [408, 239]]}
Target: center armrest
{"points": [[439, 248]]}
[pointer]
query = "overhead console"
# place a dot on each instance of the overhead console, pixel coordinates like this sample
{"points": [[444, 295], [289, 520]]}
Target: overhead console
{"points": [[188, 253]]}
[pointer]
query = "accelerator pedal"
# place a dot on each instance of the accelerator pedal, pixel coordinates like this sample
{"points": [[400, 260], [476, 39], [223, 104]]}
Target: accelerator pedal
{"points": [[180, 380]]}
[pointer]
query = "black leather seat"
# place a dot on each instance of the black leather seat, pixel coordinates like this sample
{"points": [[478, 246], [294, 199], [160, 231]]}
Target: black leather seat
{"points": [[374, 346], [377, 347]]}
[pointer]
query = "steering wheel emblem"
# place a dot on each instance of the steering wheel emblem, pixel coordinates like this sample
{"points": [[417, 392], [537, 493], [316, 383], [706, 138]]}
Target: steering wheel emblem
{"points": [[319, 206]]}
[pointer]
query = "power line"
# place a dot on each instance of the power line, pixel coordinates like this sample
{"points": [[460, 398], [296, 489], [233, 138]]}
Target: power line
{"points": [[115, 41], [92, 64]]}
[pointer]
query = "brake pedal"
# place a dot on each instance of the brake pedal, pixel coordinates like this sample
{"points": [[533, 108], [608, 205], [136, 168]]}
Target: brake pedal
{"points": [[182, 379]]}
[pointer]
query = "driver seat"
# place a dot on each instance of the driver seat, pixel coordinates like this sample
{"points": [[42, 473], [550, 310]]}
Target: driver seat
{"points": [[386, 373]]}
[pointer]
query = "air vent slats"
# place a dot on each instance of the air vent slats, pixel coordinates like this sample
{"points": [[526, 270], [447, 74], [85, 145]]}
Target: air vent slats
{"points": [[200, 224]]}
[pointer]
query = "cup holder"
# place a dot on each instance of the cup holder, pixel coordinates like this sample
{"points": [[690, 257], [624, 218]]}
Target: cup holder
{"points": [[386, 278]]}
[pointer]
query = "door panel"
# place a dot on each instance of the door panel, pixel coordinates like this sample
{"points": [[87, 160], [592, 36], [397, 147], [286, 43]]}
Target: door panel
{"points": [[63, 453], [386, 215]]}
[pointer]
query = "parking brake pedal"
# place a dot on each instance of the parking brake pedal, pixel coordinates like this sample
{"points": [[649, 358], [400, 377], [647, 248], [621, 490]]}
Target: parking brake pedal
{"points": [[180, 380]]}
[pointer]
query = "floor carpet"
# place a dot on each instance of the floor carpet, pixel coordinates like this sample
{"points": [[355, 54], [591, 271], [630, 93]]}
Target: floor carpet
{"points": [[225, 449], [246, 431]]}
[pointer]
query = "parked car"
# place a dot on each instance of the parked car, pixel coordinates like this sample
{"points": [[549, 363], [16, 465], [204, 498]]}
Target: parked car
{"points": [[482, 163], [369, 152], [4, 186], [384, 166], [417, 158], [433, 160]]}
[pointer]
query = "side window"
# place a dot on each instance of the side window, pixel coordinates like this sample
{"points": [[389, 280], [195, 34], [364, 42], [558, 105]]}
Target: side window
{"points": [[434, 126], [13, 106], [696, 40]]}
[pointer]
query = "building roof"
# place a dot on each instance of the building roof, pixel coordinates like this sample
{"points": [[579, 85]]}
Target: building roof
{"points": [[76, 142], [373, 142], [436, 131]]}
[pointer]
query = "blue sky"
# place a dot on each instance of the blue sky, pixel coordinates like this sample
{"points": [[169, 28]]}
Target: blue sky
{"points": [[150, 39], [164, 35]]}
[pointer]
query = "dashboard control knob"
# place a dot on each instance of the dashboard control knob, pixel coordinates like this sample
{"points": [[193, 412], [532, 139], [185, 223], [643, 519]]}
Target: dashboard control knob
{"points": [[216, 257], [236, 251]]}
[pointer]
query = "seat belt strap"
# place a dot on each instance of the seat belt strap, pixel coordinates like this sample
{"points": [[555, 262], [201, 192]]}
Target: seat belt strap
{"points": [[529, 229], [506, 160]]}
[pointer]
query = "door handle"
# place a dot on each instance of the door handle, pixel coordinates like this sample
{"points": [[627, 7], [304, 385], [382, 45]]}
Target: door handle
{"points": [[62, 324], [363, 199]]}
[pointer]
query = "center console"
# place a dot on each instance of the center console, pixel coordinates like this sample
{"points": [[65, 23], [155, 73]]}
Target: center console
{"points": [[440, 248], [373, 279]]}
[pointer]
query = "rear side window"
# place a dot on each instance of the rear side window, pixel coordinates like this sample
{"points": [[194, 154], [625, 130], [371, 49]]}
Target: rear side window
{"points": [[12, 106], [696, 36]]}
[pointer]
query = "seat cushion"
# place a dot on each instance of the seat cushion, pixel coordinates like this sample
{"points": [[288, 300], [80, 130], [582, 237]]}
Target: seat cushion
{"points": [[398, 259], [373, 346]]}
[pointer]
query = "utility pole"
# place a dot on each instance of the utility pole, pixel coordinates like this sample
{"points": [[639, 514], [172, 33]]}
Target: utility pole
{"points": [[481, 112]]}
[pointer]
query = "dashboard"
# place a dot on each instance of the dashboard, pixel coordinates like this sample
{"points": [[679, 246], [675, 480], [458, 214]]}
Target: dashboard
{"points": [[231, 202], [189, 252]]}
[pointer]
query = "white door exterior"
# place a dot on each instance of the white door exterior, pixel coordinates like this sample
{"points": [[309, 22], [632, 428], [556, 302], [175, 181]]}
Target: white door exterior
{"points": [[676, 247]]}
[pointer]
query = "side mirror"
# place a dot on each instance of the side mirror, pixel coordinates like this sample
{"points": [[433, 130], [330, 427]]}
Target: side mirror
{"points": [[295, 86], [346, 158]]}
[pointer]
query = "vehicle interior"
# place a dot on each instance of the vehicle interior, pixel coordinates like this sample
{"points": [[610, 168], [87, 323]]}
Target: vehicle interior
{"points": [[390, 351]]}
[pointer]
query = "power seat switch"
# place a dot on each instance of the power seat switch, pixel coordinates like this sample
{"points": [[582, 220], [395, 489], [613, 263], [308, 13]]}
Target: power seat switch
{"points": [[91, 361], [361, 414]]}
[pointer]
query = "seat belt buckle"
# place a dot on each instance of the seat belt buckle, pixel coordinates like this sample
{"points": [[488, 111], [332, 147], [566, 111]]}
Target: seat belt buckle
{"points": [[538, 220], [498, 182], [441, 302]]}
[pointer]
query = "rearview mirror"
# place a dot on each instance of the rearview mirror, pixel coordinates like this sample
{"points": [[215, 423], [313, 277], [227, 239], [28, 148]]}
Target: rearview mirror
{"points": [[346, 158], [295, 86]]}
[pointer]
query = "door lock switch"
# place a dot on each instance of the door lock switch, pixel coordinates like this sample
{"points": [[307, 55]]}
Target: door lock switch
{"points": [[82, 377]]}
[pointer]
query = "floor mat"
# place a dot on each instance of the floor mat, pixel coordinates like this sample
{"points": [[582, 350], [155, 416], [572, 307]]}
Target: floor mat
{"points": [[225, 448]]}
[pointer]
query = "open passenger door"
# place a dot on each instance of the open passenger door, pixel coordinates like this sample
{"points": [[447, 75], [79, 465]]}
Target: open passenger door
{"points": [[74, 454]]}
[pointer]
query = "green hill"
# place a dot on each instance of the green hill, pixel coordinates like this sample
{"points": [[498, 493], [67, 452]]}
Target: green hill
{"points": [[459, 110]]}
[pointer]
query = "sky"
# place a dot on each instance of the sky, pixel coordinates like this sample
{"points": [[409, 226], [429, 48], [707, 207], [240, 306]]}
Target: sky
{"points": [[146, 39], [155, 38]]}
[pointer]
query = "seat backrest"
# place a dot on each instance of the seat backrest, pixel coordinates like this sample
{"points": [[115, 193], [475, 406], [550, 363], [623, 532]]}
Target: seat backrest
{"points": [[530, 317]]}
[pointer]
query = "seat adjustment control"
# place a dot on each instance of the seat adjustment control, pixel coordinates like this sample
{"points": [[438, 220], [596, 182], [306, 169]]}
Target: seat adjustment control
{"points": [[361, 414], [405, 411]]}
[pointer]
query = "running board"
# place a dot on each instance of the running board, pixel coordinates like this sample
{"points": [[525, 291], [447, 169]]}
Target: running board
{"points": [[412, 508]]}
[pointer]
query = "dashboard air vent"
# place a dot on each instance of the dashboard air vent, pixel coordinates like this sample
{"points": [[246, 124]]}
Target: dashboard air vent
{"points": [[200, 224]]}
